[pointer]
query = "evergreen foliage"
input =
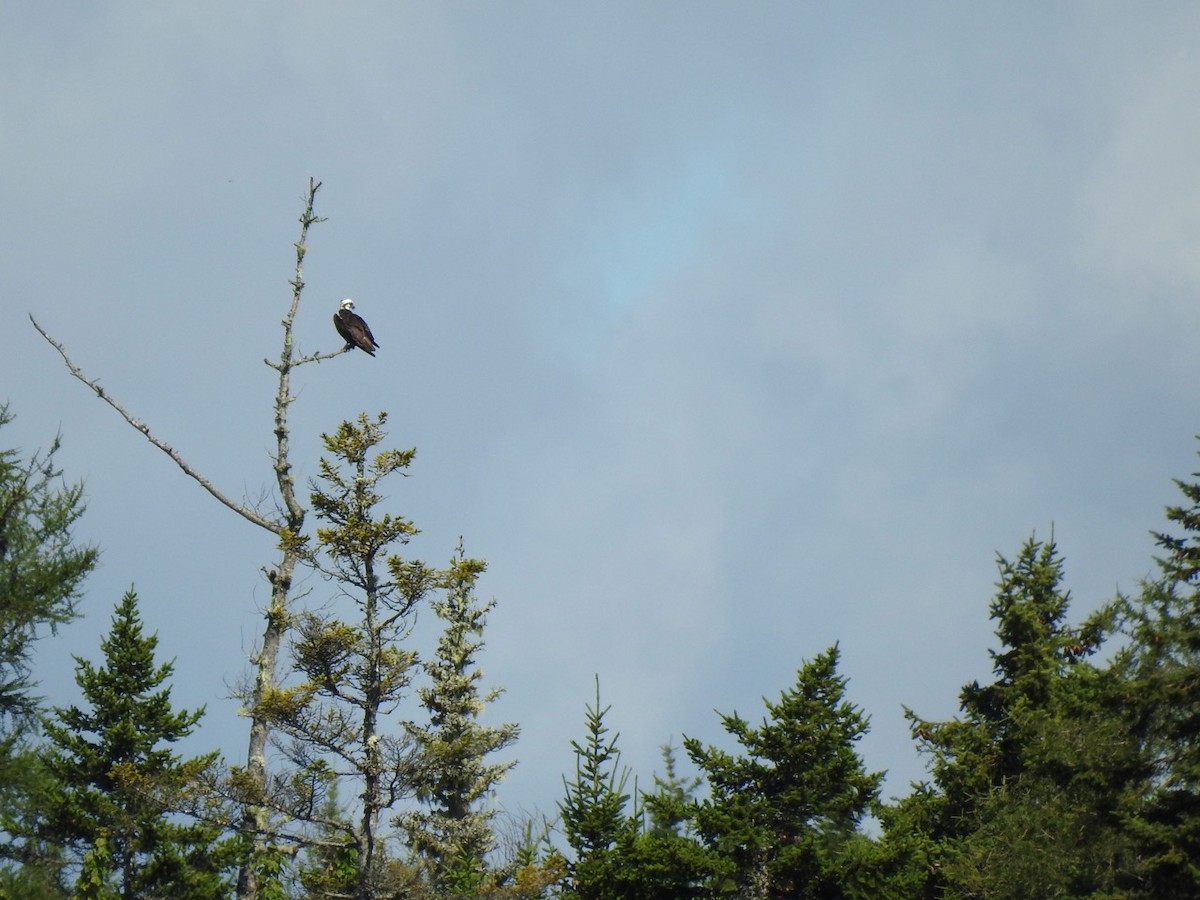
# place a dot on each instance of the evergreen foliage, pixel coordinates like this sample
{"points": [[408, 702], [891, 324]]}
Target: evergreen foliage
{"points": [[354, 673], [1163, 664], [782, 818], [670, 805], [41, 571], [116, 780], [454, 835], [339, 719], [594, 818], [666, 859], [1032, 783], [624, 854]]}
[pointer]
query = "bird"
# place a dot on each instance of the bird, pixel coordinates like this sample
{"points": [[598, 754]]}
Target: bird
{"points": [[353, 329]]}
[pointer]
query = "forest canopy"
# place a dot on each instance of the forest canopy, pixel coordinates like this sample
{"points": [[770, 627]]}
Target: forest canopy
{"points": [[1073, 771]]}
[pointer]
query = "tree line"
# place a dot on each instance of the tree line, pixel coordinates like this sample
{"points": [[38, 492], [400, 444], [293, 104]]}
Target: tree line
{"points": [[370, 772]]}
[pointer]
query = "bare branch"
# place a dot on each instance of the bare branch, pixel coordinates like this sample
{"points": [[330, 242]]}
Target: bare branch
{"points": [[316, 357], [283, 398], [244, 511]]}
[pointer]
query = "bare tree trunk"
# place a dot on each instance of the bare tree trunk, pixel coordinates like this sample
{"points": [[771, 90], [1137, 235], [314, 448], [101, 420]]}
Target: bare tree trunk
{"points": [[255, 816], [372, 696]]}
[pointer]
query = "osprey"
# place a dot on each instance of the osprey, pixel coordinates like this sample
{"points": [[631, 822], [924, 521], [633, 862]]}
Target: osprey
{"points": [[353, 329]]}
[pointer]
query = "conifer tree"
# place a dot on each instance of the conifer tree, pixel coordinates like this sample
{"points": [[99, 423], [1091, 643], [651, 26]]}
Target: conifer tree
{"points": [[41, 571], [535, 867], [116, 778], [782, 819], [330, 864], [1030, 613], [354, 672], [665, 859], [1032, 781], [1163, 664], [594, 819], [670, 805], [452, 776]]}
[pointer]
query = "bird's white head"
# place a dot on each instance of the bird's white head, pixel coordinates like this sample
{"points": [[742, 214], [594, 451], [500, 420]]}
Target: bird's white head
{"points": [[347, 303]]}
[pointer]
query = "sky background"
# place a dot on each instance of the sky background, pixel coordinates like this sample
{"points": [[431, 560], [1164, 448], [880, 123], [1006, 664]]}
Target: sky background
{"points": [[724, 332]]}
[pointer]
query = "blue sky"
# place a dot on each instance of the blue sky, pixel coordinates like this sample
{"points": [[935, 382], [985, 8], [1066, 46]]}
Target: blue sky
{"points": [[724, 333]]}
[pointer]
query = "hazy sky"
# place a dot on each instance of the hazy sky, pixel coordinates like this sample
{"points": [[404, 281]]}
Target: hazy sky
{"points": [[724, 332]]}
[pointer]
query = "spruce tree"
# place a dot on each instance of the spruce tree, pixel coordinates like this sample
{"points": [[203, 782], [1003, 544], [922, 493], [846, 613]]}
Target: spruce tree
{"points": [[1163, 664], [665, 859], [782, 820], [116, 779], [1030, 784], [594, 819], [629, 846], [41, 572], [670, 805], [987, 744], [337, 721], [453, 777]]}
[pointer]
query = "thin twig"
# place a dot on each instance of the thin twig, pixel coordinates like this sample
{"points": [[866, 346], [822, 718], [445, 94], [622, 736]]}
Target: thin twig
{"points": [[244, 511]]}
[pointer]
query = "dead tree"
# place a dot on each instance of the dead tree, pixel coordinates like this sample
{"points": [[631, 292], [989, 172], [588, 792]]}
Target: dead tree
{"points": [[286, 525]]}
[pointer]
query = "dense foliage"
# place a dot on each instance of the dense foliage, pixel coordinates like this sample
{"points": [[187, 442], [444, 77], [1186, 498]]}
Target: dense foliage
{"points": [[41, 576], [1073, 772], [41, 571], [114, 780]]}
